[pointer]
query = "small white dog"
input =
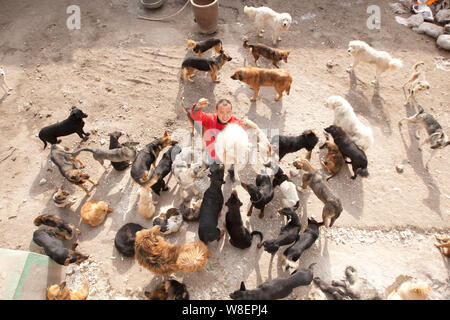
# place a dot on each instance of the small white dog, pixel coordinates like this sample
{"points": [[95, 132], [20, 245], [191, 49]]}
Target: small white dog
{"points": [[3, 84], [264, 16], [362, 52], [232, 147], [411, 290], [345, 117]]}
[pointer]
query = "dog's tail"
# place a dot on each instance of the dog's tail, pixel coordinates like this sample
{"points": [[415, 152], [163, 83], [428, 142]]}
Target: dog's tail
{"points": [[363, 172], [43, 140], [260, 237], [417, 65], [395, 64], [246, 45], [194, 257], [77, 152], [311, 266]]}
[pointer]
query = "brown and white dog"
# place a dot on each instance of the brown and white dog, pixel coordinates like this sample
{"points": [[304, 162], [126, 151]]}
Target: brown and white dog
{"points": [[411, 290], [258, 77], [61, 292], [159, 256]]}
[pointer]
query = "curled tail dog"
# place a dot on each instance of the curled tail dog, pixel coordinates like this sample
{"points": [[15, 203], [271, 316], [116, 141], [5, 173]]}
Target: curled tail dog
{"points": [[260, 237]]}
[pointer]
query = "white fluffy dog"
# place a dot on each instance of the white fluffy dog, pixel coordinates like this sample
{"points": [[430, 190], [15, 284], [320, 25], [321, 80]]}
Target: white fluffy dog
{"points": [[232, 147], [264, 16], [345, 117], [362, 52]]}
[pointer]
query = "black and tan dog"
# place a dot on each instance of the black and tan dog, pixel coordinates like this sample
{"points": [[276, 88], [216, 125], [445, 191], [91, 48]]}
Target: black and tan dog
{"points": [[349, 149], [114, 144], [258, 77], [306, 239], [288, 144], [211, 207], [312, 178], [276, 289], [191, 64], [273, 54], [334, 160], [66, 164], [199, 47], [169, 290], [140, 168], [62, 229], [61, 198], [436, 135], [55, 249], [240, 237], [163, 168], [73, 124], [288, 234], [124, 239], [260, 194]]}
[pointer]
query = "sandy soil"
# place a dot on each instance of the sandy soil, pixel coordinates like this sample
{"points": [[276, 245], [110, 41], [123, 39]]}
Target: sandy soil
{"points": [[124, 73]]}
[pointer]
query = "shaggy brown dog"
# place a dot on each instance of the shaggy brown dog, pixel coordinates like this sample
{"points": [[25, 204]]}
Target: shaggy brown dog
{"points": [[334, 160], [256, 77], [93, 212], [61, 292], [159, 256], [259, 49]]}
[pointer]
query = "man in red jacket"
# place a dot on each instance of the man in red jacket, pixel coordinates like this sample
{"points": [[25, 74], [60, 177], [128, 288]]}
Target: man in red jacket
{"points": [[213, 123]]}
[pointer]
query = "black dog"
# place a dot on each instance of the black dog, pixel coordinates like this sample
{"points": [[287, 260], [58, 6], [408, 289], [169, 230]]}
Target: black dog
{"points": [[240, 237], [55, 248], [261, 194], [303, 242], [115, 144], [349, 149], [211, 207], [124, 240], [276, 289], [288, 233], [140, 168], [73, 124], [62, 229], [163, 168], [287, 144]]}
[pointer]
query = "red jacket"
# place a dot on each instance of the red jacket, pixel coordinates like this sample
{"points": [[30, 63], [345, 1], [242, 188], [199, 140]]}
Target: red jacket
{"points": [[212, 126]]}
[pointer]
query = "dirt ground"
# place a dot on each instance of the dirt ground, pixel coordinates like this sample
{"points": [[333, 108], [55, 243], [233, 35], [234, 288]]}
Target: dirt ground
{"points": [[125, 74]]}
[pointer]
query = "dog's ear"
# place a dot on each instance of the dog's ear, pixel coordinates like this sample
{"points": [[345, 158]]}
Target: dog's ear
{"points": [[240, 77], [242, 288]]}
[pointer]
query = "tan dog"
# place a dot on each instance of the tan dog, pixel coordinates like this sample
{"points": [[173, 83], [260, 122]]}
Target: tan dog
{"points": [[259, 49], [443, 245], [414, 85], [334, 160], [93, 212], [256, 77], [159, 256], [61, 292], [410, 290], [333, 206]]}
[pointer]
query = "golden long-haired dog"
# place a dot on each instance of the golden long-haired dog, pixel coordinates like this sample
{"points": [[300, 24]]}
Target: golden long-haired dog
{"points": [[258, 77], [93, 212], [61, 292], [411, 290], [159, 256]]}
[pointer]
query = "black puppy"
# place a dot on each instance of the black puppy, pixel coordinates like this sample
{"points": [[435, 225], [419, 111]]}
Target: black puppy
{"points": [[73, 124], [140, 168], [163, 168], [211, 207], [55, 248], [304, 241], [287, 144], [261, 194], [276, 289], [288, 233], [124, 240], [349, 149], [115, 144], [240, 237]]}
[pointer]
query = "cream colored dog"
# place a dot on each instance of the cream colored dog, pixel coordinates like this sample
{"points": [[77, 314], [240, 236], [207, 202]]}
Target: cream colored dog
{"points": [[410, 290], [264, 16], [345, 117], [362, 52]]}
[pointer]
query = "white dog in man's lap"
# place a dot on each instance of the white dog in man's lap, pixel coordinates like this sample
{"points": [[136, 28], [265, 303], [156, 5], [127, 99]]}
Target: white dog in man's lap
{"points": [[264, 16]]}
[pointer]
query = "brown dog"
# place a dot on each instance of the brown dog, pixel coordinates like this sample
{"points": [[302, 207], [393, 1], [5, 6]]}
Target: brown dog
{"points": [[334, 160], [159, 256], [66, 165], [169, 290], [61, 292], [443, 245], [93, 212], [414, 85], [333, 206], [259, 49], [256, 77]]}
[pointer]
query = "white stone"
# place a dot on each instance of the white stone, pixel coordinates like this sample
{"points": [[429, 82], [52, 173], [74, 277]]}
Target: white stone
{"points": [[444, 41], [430, 29], [43, 181]]}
